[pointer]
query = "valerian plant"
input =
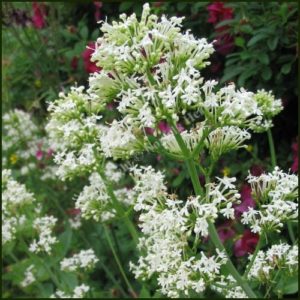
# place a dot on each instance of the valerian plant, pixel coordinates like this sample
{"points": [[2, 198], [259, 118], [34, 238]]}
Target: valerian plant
{"points": [[151, 72]]}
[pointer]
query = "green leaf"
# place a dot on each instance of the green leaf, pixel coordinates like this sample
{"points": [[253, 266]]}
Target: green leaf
{"points": [[178, 179], [225, 22], [181, 6], [285, 69], [272, 42], [144, 293], [245, 75], [263, 58], [266, 73], [230, 73], [239, 41], [256, 38], [65, 240], [95, 34], [287, 285], [84, 32]]}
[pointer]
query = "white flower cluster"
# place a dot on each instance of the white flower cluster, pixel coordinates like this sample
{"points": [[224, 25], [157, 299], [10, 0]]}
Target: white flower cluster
{"points": [[79, 292], [44, 226], [278, 257], [225, 139], [18, 128], [85, 259], [95, 202], [276, 194], [16, 202], [167, 223], [73, 128], [228, 287], [29, 277]]}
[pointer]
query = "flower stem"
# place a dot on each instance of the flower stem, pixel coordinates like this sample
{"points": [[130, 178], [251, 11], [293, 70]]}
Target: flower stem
{"points": [[274, 164], [117, 260], [211, 227], [119, 207], [272, 148], [258, 246]]}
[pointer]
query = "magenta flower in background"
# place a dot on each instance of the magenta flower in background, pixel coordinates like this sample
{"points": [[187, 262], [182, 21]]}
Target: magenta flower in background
{"points": [[256, 170], [246, 201], [39, 154], [225, 231], [97, 14], [89, 66], [294, 167], [217, 13], [74, 63], [49, 153], [246, 244], [39, 15]]}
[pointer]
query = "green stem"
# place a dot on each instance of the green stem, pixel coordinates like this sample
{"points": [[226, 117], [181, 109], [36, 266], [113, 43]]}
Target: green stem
{"points": [[272, 148], [211, 227], [258, 246], [119, 207], [117, 260], [274, 164], [106, 270]]}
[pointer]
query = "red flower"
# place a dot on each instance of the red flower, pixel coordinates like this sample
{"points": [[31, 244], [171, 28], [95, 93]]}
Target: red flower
{"points": [[246, 244], [218, 13], [225, 231], [294, 167], [89, 66], [39, 15], [246, 201]]}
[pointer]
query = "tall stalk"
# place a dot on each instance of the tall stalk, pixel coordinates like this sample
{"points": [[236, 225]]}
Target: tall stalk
{"points": [[211, 227]]}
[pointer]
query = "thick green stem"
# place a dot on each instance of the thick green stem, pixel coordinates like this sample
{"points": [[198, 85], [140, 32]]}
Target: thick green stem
{"points": [[258, 246], [117, 260], [211, 227], [274, 164], [119, 208]]}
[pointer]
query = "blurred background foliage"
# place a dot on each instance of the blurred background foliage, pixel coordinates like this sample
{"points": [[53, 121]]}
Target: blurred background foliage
{"points": [[44, 51]]}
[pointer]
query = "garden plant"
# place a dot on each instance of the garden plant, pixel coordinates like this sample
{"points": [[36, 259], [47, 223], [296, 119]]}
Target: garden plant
{"points": [[129, 189]]}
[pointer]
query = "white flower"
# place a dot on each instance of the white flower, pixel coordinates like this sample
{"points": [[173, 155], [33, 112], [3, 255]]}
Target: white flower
{"points": [[29, 277], [85, 259]]}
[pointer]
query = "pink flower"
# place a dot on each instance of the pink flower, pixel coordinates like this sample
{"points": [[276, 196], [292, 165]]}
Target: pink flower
{"points": [[225, 231], [39, 15], [49, 153], [39, 154], [164, 127], [97, 14], [89, 66], [149, 130], [294, 167], [246, 244], [246, 201]]}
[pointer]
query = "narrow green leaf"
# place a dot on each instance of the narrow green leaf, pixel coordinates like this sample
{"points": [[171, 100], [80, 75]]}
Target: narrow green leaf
{"points": [[144, 293], [263, 58], [239, 41], [272, 42], [231, 72], [266, 73]]}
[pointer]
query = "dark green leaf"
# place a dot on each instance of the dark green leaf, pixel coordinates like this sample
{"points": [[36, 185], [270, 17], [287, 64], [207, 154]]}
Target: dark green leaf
{"points": [[266, 73], [84, 32], [124, 6], [245, 75], [181, 6], [263, 58], [256, 38], [225, 22], [178, 179], [231, 73], [272, 42], [285, 69]]}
